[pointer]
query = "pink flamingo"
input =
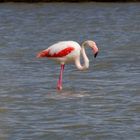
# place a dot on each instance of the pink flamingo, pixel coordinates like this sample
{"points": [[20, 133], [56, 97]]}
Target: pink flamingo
{"points": [[67, 51]]}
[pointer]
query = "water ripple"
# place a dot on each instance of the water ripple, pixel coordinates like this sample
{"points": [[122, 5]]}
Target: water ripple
{"points": [[100, 103]]}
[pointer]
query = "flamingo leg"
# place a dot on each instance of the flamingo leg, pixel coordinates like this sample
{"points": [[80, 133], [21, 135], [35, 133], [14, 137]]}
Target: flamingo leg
{"points": [[59, 83]]}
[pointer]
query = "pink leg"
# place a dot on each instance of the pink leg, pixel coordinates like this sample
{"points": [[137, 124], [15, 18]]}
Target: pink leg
{"points": [[59, 83]]}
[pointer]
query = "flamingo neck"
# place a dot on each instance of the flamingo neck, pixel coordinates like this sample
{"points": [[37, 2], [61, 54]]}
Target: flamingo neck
{"points": [[85, 58]]}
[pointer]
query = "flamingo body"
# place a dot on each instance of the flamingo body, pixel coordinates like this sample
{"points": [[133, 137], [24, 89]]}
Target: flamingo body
{"points": [[68, 51], [64, 51]]}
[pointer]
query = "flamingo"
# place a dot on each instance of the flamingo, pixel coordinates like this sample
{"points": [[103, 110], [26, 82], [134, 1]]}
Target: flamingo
{"points": [[69, 51]]}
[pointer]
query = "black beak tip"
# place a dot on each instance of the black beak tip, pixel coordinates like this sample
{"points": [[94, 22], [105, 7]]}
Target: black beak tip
{"points": [[95, 54]]}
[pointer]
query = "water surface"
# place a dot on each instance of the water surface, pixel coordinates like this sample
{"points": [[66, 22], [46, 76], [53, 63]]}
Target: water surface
{"points": [[102, 103]]}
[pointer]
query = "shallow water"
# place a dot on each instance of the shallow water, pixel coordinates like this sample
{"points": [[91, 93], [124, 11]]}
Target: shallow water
{"points": [[102, 103]]}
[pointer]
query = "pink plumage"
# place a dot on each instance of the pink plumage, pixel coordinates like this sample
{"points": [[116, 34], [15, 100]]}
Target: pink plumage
{"points": [[62, 53]]}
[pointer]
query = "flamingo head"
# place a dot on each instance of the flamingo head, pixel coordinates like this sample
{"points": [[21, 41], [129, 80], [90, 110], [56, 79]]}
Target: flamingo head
{"points": [[93, 45]]}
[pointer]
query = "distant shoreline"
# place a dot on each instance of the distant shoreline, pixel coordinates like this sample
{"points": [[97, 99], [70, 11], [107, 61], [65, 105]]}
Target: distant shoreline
{"points": [[34, 1]]}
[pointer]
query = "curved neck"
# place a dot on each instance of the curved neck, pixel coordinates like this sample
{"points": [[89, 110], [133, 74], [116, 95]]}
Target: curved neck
{"points": [[85, 58]]}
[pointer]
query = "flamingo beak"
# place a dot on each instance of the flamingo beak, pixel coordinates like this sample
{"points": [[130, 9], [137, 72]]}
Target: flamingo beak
{"points": [[95, 54]]}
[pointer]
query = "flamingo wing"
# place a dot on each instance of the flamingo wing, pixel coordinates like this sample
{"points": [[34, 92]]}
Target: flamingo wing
{"points": [[56, 50]]}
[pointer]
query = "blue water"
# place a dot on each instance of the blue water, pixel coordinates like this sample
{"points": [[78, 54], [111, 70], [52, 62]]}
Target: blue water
{"points": [[102, 103]]}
